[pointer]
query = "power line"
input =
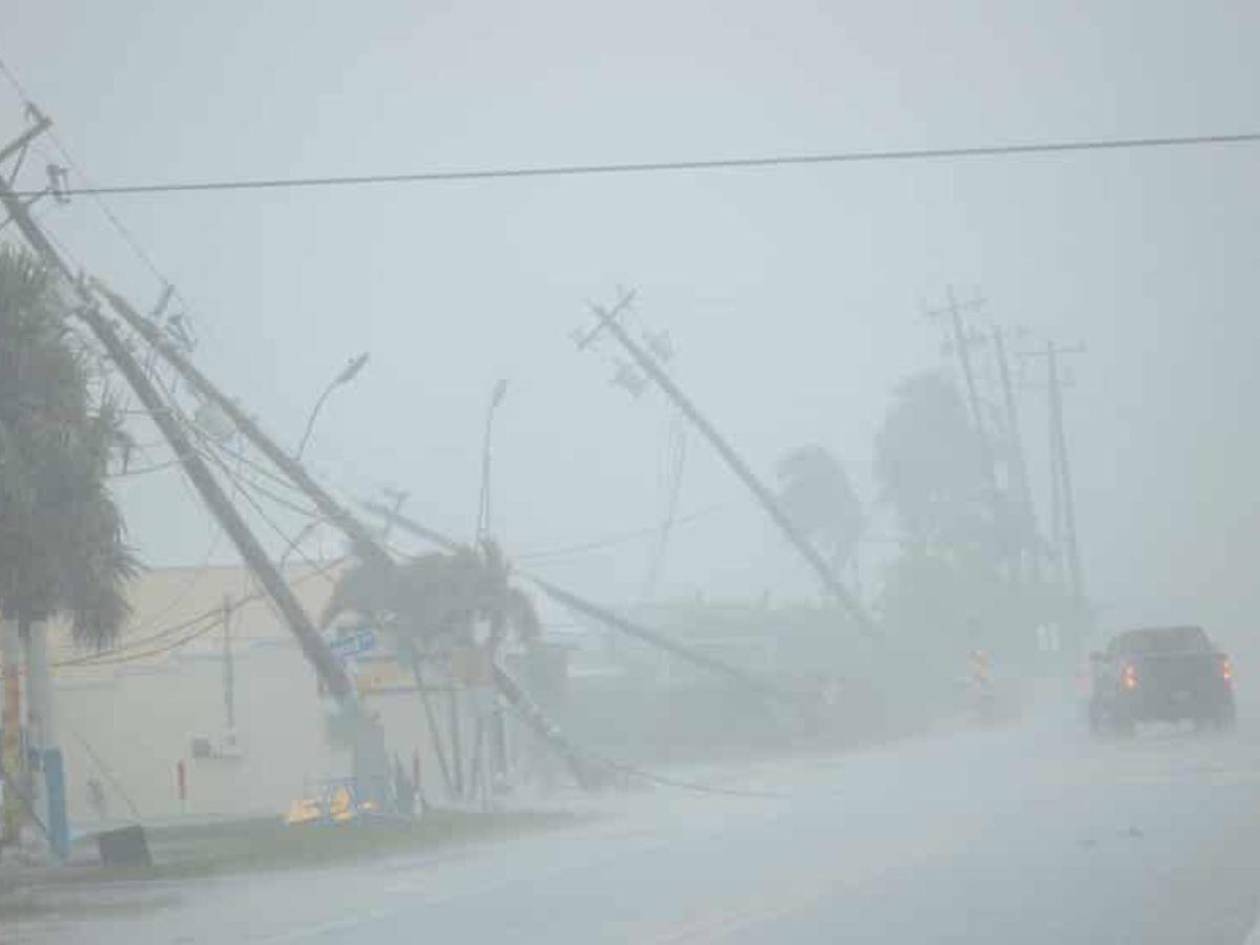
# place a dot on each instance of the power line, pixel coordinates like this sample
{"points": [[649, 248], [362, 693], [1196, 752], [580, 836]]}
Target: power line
{"points": [[613, 540], [125, 653], [126, 233], [652, 167], [145, 470]]}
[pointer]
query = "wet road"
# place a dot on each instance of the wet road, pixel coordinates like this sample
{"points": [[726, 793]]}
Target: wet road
{"points": [[1029, 834]]}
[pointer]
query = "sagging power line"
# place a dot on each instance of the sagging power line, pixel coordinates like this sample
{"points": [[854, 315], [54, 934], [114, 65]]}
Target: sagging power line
{"points": [[764, 162]]}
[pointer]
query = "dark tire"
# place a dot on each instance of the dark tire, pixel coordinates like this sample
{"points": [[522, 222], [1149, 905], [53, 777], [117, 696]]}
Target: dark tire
{"points": [[1124, 727], [1227, 718]]}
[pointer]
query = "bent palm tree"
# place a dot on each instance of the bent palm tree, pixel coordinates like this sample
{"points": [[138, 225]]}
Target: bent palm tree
{"points": [[61, 537], [433, 601], [62, 541]]}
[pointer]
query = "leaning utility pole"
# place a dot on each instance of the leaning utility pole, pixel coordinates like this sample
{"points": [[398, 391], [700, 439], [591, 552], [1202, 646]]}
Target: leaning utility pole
{"points": [[1061, 471], [1017, 460], [366, 545], [608, 322], [602, 614], [326, 665], [961, 345]]}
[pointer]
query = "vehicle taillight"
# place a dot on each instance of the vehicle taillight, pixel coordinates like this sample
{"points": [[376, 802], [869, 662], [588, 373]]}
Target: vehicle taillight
{"points": [[1129, 678], [1227, 671]]}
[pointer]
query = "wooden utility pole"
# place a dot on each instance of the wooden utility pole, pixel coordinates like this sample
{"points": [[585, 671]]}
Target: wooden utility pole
{"points": [[1017, 460], [961, 344], [963, 350], [831, 583], [326, 665], [1061, 472], [366, 545]]}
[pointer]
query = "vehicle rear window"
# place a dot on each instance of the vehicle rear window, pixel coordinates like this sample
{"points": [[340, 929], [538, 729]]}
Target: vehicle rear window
{"points": [[1162, 640]]}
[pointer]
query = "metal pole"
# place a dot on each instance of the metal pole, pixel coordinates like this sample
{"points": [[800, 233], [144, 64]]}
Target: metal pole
{"points": [[39, 686], [11, 722], [347, 374], [483, 501], [310, 421]]}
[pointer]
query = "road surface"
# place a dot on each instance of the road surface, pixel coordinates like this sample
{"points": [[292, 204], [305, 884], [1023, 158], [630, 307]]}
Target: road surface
{"points": [[1026, 834]]}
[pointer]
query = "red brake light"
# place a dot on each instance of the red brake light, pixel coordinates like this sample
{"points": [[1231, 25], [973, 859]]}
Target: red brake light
{"points": [[1227, 670], [1129, 678]]}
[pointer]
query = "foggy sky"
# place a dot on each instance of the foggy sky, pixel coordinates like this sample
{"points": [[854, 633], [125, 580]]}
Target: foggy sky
{"points": [[793, 296]]}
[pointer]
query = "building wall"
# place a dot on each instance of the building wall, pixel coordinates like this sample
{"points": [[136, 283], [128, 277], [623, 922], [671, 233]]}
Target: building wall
{"points": [[127, 718]]}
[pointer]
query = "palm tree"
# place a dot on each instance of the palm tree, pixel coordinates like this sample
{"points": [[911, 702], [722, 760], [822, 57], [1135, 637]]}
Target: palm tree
{"points": [[816, 494], [432, 601], [62, 548], [431, 604], [62, 541]]}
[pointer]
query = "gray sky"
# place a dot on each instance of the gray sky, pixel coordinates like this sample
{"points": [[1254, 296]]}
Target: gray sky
{"points": [[793, 296]]}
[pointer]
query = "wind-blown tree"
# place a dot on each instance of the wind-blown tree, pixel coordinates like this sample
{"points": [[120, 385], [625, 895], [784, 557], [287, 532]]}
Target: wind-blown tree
{"points": [[930, 465], [431, 604], [947, 588], [62, 539], [816, 494], [433, 601]]}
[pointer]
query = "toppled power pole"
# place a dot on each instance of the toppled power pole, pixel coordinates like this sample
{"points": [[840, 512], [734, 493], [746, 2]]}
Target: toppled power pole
{"points": [[608, 321], [605, 616], [208, 488]]}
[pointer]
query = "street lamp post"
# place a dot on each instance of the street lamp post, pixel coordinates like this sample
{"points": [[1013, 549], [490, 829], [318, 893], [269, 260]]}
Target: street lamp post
{"points": [[497, 733], [348, 373], [483, 502]]}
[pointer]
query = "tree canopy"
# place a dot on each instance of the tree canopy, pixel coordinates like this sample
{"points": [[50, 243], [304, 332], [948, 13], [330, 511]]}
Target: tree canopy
{"points": [[816, 494], [62, 538], [931, 467]]}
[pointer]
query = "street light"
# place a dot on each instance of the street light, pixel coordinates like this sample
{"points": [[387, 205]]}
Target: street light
{"points": [[483, 503], [348, 373]]}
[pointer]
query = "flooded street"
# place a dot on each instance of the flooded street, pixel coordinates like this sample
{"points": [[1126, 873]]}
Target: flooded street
{"points": [[1033, 833]]}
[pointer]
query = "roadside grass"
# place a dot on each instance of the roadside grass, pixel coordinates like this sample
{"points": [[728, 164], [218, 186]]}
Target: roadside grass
{"points": [[262, 844]]}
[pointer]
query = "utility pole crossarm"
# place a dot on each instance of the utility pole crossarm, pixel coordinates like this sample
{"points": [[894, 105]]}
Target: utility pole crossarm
{"points": [[29, 135], [741, 469], [316, 650]]}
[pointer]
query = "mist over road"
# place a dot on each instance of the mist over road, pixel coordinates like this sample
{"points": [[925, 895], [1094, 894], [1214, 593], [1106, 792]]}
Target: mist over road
{"points": [[1023, 834]]}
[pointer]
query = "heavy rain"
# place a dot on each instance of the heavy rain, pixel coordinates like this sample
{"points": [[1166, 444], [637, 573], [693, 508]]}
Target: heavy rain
{"points": [[572, 472]]}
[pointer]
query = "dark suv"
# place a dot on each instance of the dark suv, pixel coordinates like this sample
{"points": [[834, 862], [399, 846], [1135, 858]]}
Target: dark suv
{"points": [[1161, 674]]}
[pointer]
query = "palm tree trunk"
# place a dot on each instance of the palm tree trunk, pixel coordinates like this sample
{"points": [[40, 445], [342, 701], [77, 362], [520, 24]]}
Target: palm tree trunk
{"points": [[431, 719], [457, 752], [11, 722]]}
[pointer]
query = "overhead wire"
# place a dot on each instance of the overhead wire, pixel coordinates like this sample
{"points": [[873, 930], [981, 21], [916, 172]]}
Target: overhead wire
{"points": [[611, 541], [246, 490], [125, 232], [116, 654], [671, 166]]}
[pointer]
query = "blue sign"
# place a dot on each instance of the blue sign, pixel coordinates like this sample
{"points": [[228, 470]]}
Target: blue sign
{"points": [[361, 641]]}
